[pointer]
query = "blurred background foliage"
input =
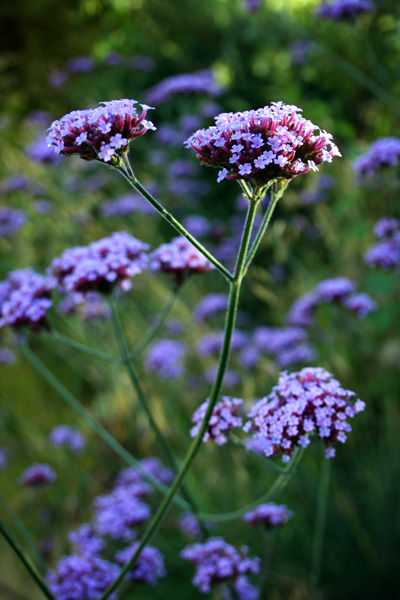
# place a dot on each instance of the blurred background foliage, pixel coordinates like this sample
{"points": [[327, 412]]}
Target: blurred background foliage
{"points": [[346, 80]]}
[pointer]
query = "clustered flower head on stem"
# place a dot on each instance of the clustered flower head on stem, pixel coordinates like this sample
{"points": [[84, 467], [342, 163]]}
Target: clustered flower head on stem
{"points": [[384, 152], [179, 258], [343, 9], [385, 253], [223, 419], [302, 403], [101, 133], [38, 475], [118, 512], [68, 437], [149, 566], [11, 220], [270, 515], [85, 540], [258, 147], [165, 357], [217, 561]]}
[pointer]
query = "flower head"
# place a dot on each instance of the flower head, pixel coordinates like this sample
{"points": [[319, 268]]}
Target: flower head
{"points": [[343, 9], [222, 420], [38, 475], [384, 152], [85, 540], [202, 82], [118, 512], [101, 133], [180, 258], [166, 358], [149, 566], [270, 515], [302, 403], [11, 220], [385, 253], [260, 146], [86, 577], [68, 437]]}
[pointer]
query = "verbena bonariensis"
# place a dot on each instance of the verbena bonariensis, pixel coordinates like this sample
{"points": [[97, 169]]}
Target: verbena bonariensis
{"points": [[269, 515], [343, 9]]}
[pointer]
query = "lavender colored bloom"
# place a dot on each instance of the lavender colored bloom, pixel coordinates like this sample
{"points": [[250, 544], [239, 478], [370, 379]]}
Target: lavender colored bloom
{"points": [[217, 561], [277, 339], [42, 207], [113, 59], [80, 64], [385, 254], [101, 133], [165, 357], [188, 525], [155, 467], [249, 357], [84, 540], [57, 79], [309, 401], [209, 306], [382, 153], [81, 578], [253, 5], [4, 456], [202, 82], [259, 146], [149, 566], [101, 266], [7, 356], [198, 225], [223, 419], [131, 477], [39, 151], [343, 9], [125, 205], [90, 306], [386, 227], [211, 343], [270, 515], [335, 289], [179, 258], [11, 220], [38, 475], [302, 353], [118, 512], [360, 304], [39, 117], [68, 437], [25, 299]]}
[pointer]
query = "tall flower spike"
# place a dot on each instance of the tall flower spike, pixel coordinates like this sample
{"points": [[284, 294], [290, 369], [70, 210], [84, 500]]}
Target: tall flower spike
{"points": [[101, 133], [263, 145]]}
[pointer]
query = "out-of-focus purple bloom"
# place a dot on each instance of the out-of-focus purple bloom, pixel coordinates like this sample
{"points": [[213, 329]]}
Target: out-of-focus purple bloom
{"points": [[38, 475], [4, 456], [21, 183], [386, 227], [141, 62], [259, 146], [180, 258], [253, 5], [113, 59], [249, 357], [86, 577], [149, 566], [217, 561], [42, 207], [11, 220], [360, 304], [39, 117], [382, 153], [384, 254], [57, 79], [7, 356], [278, 339], [39, 151], [25, 299], [231, 377], [209, 109], [84, 540], [211, 343], [80, 64], [302, 353], [223, 419], [300, 52], [335, 290], [302, 403], [125, 205], [130, 477], [165, 357], [188, 525], [209, 306], [89, 307], [101, 266], [118, 512], [318, 193], [343, 9], [270, 515], [202, 82], [68, 437], [155, 467], [101, 133]]}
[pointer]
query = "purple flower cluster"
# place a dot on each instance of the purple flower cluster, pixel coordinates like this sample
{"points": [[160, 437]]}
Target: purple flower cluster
{"points": [[211, 343], [287, 344], [382, 153], [101, 266], [68, 437], [7, 356], [38, 475], [180, 258], [118, 512], [210, 305], [302, 403], [223, 419], [155, 467], [343, 9], [125, 205], [101, 133], [25, 299], [85, 540], [40, 152], [188, 525], [165, 357], [4, 455], [149, 566], [81, 578], [202, 82], [217, 561], [263, 145], [11, 220], [270, 515], [385, 253]]}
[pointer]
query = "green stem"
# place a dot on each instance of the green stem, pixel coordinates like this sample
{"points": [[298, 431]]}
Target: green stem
{"points": [[25, 560], [85, 349], [95, 425], [215, 392], [262, 594], [320, 519], [130, 176]]}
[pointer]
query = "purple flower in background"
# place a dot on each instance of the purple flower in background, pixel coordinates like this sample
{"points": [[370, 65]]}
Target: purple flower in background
{"points": [[25, 299], [223, 419], [188, 525], [382, 153], [125, 205], [118, 512], [302, 353], [101, 266], [217, 561], [202, 82], [270, 515], [263, 145], [335, 289], [113, 59], [57, 79], [287, 344], [386, 227], [68, 437], [4, 456], [149, 566], [80, 64], [84, 540], [343, 9], [231, 377], [210, 305], [11, 220], [89, 307], [253, 5], [81, 578], [155, 467], [131, 477], [360, 304], [180, 258], [211, 343], [42, 207], [302, 403], [165, 357], [198, 225], [7, 356], [101, 133], [386, 253], [38, 475], [39, 151]]}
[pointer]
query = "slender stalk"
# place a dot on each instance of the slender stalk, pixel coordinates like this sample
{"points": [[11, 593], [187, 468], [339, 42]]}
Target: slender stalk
{"points": [[95, 425], [20, 552], [320, 519], [262, 594], [83, 348], [216, 389], [128, 173]]}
